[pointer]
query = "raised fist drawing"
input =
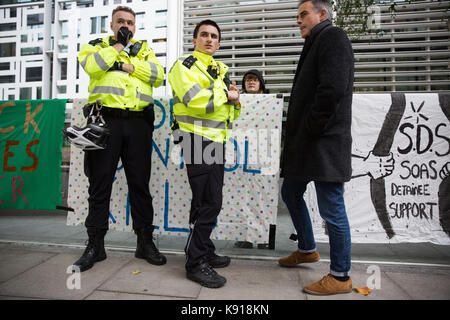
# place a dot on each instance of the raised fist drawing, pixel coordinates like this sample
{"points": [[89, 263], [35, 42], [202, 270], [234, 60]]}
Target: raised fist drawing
{"points": [[379, 166]]}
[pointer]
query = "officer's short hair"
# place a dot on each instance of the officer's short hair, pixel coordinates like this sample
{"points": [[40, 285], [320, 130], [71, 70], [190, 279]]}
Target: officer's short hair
{"points": [[319, 5], [123, 8], [209, 23]]}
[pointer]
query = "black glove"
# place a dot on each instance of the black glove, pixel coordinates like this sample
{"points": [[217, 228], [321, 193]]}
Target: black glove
{"points": [[116, 66], [124, 35]]}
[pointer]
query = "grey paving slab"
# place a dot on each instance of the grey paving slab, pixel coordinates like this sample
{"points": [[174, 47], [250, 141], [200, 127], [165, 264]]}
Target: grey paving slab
{"points": [[444, 251], [8, 224], [15, 262], [119, 236], [255, 280], [109, 295], [423, 287], [171, 243], [167, 280], [49, 279], [36, 228], [378, 252]]}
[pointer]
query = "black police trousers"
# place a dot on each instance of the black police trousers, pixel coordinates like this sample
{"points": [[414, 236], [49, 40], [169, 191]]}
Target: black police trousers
{"points": [[206, 181], [130, 141]]}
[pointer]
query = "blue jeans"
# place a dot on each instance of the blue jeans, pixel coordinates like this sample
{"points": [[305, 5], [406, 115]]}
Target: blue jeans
{"points": [[330, 200]]}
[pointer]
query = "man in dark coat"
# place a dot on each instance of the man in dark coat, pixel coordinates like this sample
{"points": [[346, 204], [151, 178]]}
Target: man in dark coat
{"points": [[318, 143]]}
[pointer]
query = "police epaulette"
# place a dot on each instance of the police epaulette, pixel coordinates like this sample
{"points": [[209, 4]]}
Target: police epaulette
{"points": [[95, 41], [189, 61]]}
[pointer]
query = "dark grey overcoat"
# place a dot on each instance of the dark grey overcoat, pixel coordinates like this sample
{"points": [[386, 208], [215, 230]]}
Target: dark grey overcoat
{"points": [[318, 128]]}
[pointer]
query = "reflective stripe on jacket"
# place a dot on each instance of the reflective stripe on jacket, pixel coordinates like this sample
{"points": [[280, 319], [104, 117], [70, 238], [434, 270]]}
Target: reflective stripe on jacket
{"points": [[200, 103], [119, 89]]}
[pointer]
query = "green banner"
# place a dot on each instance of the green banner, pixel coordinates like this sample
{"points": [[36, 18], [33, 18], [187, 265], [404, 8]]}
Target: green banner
{"points": [[30, 153]]}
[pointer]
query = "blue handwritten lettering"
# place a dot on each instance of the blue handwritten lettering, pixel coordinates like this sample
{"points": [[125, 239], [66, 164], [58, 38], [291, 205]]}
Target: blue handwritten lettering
{"points": [[246, 169], [165, 160]]}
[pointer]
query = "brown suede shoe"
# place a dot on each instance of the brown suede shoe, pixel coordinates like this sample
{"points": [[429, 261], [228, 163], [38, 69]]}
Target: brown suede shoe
{"points": [[329, 285], [297, 258]]}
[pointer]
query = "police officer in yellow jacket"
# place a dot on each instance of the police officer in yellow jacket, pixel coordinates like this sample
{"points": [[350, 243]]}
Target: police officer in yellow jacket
{"points": [[122, 73], [205, 105]]}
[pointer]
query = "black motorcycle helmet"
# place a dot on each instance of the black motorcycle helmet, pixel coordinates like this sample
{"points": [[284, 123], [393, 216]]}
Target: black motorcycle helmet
{"points": [[92, 137]]}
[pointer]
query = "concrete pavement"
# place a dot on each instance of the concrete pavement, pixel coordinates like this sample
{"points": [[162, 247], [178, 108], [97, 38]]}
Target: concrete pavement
{"points": [[37, 250], [32, 271]]}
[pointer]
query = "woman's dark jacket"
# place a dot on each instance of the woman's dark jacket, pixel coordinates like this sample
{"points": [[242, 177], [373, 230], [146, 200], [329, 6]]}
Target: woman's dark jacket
{"points": [[318, 127]]}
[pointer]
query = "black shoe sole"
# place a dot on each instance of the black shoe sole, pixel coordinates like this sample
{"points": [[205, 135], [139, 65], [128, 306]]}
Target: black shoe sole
{"points": [[212, 285]]}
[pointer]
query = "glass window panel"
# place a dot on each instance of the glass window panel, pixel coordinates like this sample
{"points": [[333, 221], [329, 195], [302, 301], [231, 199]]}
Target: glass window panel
{"points": [[62, 89], [4, 65], [30, 51], [93, 25], [103, 27], [7, 26], [140, 20], [7, 49], [33, 74], [7, 79], [85, 3], [64, 69], [64, 29], [25, 93], [35, 20]]}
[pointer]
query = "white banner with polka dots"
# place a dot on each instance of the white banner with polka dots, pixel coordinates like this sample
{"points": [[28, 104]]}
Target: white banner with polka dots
{"points": [[250, 191]]}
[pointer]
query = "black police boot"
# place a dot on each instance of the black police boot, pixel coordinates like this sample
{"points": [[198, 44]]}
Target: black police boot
{"points": [[94, 252], [146, 248], [216, 261], [206, 276]]}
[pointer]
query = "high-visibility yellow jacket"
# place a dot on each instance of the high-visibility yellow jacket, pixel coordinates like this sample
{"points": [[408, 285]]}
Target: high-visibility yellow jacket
{"points": [[119, 89], [200, 103]]}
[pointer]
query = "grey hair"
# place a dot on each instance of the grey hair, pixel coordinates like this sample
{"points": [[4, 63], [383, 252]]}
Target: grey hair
{"points": [[319, 5]]}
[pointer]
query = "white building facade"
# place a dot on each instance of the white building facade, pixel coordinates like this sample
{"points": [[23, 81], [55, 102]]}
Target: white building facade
{"points": [[40, 40]]}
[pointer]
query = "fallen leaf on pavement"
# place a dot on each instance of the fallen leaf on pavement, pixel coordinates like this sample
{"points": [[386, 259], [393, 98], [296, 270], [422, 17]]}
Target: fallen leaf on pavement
{"points": [[364, 291]]}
